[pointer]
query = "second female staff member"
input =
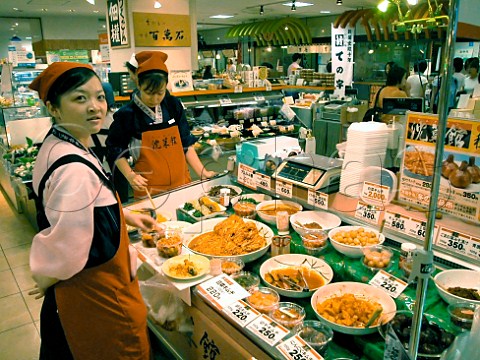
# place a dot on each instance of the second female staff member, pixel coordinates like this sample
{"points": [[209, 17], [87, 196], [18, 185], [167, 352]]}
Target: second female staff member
{"points": [[153, 129]]}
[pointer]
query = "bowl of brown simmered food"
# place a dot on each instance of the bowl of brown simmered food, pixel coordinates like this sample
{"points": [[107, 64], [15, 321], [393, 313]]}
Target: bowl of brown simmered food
{"points": [[305, 221], [267, 210], [436, 334], [459, 286]]}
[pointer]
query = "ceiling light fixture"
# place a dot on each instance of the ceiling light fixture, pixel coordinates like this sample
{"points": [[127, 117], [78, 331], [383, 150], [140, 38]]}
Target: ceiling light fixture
{"points": [[339, 2], [325, 12], [412, 2], [91, 2], [15, 9], [383, 6], [221, 16], [294, 8], [157, 5], [261, 10], [286, 28]]}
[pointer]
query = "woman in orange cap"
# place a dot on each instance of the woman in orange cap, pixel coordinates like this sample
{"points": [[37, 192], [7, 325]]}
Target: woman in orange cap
{"points": [[153, 130], [80, 258]]}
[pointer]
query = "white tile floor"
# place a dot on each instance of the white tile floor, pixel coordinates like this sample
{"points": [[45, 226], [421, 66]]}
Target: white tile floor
{"points": [[19, 312]]}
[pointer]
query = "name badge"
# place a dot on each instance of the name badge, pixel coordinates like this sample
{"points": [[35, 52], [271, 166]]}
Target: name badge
{"points": [[171, 121]]}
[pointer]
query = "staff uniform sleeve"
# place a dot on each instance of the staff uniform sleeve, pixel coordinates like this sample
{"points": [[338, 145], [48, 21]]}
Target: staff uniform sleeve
{"points": [[61, 250], [186, 136], [119, 134]]}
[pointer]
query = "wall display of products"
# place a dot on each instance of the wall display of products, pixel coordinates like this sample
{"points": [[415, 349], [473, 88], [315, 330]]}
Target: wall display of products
{"points": [[459, 190]]}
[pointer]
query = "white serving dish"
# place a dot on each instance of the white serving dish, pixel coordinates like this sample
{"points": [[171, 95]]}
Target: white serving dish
{"points": [[360, 290], [457, 277], [272, 219], [349, 250], [207, 225], [222, 211], [288, 260], [257, 197], [325, 219]]}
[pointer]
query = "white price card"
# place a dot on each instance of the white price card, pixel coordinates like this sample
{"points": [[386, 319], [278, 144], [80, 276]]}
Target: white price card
{"points": [[246, 176], [238, 89], [267, 330], [295, 348], [259, 98], [317, 199], [453, 241], [396, 222], [473, 250], [241, 312], [284, 188], [375, 193], [367, 212], [417, 229], [262, 181], [391, 284], [222, 291]]}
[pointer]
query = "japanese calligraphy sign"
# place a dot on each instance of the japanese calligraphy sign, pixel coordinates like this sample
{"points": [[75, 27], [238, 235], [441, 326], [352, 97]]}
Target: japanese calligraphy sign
{"points": [[161, 29], [117, 23], [462, 144], [342, 57]]}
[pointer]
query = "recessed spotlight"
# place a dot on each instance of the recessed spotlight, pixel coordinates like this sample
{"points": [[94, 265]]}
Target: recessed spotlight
{"points": [[104, 26], [96, 11], [286, 28], [157, 5], [325, 12], [221, 16], [15, 9], [16, 24], [339, 2], [371, 51], [298, 4]]}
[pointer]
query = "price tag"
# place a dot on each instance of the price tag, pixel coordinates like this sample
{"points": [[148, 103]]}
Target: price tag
{"points": [[453, 241], [295, 348], [396, 222], [238, 89], [262, 181], [241, 313], [417, 229], [284, 188], [246, 176], [225, 100], [264, 123], [391, 284], [259, 98], [317, 199], [267, 330], [221, 291], [367, 212], [473, 250], [374, 193]]}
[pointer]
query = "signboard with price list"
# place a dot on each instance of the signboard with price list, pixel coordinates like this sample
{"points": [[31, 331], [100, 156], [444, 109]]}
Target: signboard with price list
{"points": [[462, 142]]}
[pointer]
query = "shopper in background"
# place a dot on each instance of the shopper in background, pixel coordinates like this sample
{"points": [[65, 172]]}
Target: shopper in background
{"points": [[458, 67], [80, 258], [395, 86], [153, 130], [416, 83], [472, 66], [295, 65], [231, 68], [207, 74], [388, 66]]}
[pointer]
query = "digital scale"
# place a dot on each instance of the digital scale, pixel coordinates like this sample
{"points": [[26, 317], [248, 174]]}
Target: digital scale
{"points": [[311, 171]]}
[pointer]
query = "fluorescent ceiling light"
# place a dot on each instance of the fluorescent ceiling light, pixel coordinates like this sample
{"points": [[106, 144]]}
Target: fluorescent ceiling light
{"points": [[325, 12], [412, 2], [221, 16], [91, 2], [298, 4], [383, 6]]}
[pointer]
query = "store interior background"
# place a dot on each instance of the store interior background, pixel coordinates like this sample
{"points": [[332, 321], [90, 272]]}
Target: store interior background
{"points": [[59, 28]]}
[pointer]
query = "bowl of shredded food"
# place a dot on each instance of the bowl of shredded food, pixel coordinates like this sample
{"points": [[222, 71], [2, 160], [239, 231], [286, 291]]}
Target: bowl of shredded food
{"points": [[459, 286], [353, 308], [229, 237]]}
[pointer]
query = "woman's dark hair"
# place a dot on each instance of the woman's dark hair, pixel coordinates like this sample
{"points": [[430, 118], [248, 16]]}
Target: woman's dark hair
{"points": [[68, 81], [395, 75], [389, 66], [296, 56], [458, 64], [420, 66], [153, 80], [130, 67]]}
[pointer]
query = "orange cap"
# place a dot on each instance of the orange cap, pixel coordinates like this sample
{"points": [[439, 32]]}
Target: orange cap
{"points": [[47, 78], [151, 60]]}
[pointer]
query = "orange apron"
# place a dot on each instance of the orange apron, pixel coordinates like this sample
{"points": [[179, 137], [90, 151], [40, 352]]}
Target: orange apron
{"points": [[162, 161], [113, 322]]}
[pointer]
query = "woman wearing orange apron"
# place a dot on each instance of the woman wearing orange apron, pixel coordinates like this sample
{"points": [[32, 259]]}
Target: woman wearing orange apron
{"points": [[153, 130], [80, 258]]}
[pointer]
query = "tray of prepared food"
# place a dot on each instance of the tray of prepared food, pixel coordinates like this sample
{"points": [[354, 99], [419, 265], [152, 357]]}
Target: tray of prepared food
{"points": [[202, 208]]}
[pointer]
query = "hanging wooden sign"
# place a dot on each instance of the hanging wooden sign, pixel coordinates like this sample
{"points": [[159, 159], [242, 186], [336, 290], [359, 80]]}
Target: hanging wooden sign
{"points": [[161, 30]]}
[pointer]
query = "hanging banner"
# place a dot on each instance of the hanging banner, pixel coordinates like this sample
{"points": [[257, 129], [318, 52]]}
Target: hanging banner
{"points": [[161, 29], [117, 23], [342, 58]]}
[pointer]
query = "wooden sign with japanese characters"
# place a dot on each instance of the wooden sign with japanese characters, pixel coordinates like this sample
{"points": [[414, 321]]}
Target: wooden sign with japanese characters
{"points": [[161, 29], [117, 23], [459, 191]]}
